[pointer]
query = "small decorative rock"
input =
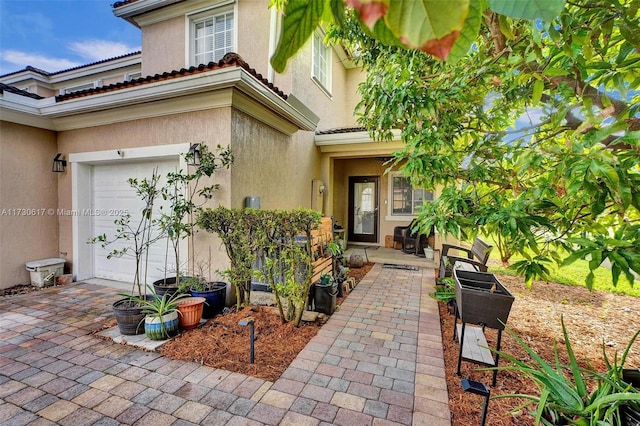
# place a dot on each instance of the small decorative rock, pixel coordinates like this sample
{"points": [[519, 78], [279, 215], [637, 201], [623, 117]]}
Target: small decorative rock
{"points": [[356, 260]]}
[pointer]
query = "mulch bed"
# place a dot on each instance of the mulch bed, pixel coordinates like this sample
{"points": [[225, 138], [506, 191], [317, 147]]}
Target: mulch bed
{"points": [[19, 289], [222, 343], [592, 319]]}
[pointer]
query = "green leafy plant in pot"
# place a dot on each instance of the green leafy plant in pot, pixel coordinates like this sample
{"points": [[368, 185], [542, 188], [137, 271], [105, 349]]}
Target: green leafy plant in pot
{"points": [[185, 196], [214, 293], [136, 235], [161, 320], [572, 395]]}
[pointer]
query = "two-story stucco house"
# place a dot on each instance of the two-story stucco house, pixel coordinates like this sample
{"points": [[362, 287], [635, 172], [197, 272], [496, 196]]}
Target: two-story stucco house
{"points": [[293, 135]]}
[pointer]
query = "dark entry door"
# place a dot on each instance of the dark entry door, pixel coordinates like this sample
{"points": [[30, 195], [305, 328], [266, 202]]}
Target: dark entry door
{"points": [[363, 209]]}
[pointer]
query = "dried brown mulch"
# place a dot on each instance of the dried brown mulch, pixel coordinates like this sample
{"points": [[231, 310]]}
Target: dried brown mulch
{"points": [[222, 343], [591, 318], [24, 289]]}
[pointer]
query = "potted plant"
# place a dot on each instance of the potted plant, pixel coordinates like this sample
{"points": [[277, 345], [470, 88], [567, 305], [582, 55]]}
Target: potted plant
{"points": [[213, 292], [138, 235], [190, 309], [161, 314], [445, 291], [182, 191], [572, 395]]}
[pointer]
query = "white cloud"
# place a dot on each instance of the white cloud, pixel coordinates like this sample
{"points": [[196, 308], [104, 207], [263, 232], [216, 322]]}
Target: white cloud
{"points": [[22, 59], [97, 50]]}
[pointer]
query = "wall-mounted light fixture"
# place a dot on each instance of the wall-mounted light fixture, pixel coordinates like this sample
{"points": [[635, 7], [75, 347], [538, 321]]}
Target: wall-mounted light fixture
{"points": [[321, 189], [59, 165], [194, 156]]}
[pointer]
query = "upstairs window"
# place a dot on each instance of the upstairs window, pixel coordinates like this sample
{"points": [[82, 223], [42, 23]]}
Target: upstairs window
{"points": [[79, 87], [212, 37], [321, 67], [405, 199], [132, 76]]}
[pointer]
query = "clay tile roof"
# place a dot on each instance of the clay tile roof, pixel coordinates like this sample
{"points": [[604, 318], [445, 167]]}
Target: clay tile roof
{"points": [[122, 3], [27, 68], [15, 90], [341, 130], [229, 60], [97, 62], [47, 73]]}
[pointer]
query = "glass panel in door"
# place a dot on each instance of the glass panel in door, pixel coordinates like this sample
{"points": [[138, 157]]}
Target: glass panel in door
{"points": [[363, 209]]}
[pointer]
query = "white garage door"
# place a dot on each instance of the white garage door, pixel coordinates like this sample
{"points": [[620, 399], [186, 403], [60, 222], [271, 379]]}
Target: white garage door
{"points": [[112, 194]]}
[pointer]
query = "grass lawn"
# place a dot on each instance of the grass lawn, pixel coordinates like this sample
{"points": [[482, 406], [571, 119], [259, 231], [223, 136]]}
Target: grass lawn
{"points": [[575, 274]]}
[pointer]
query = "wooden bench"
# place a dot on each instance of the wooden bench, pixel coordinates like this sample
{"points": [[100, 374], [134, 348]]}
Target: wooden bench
{"points": [[476, 258], [320, 239]]}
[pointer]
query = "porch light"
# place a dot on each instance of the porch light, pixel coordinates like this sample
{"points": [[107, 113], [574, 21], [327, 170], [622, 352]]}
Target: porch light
{"points": [[59, 166], [194, 156]]}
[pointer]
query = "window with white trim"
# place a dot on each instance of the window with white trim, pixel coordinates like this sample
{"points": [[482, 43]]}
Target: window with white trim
{"points": [[321, 62], [211, 37], [132, 76], [405, 199], [79, 87]]}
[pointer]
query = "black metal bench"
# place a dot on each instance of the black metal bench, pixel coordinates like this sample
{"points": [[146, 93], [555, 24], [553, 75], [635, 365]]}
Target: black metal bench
{"points": [[476, 258]]}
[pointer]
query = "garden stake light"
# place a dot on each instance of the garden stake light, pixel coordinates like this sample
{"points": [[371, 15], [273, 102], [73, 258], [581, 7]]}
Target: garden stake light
{"points": [[249, 321], [478, 388]]}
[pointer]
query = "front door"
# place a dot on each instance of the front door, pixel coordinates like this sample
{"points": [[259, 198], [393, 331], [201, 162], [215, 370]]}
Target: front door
{"points": [[363, 209]]}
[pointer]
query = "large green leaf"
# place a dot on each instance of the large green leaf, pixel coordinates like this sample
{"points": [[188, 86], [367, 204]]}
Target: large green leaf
{"points": [[301, 17], [528, 9], [417, 22], [468, 34]]}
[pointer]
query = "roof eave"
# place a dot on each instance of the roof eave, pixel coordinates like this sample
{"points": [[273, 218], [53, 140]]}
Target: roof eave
{"points": [[197, 84], [130, 10]]}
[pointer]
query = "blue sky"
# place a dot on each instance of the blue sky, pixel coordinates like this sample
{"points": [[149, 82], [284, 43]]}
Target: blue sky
{"points": [[57, 34]]}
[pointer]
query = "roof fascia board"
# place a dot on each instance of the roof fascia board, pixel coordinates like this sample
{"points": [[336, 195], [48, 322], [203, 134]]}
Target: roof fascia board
{"points": [[97, 69], [265, 115], [178, 8], [357, 149], [23, 110], [349, 138], [199, 92], [27, 75], [151, 92], [159, 108], [129, 11], [304, 119]]}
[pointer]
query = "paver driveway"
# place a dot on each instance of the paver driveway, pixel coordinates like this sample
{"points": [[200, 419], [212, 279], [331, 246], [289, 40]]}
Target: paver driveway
{"points": [[377, 361]]}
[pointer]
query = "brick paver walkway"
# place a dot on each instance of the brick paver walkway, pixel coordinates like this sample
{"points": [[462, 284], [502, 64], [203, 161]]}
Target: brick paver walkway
{"points": [[377, 361]]}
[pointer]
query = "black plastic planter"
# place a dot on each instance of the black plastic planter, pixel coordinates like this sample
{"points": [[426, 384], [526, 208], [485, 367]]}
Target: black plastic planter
{"points": [[325, 298], [482, 299]]}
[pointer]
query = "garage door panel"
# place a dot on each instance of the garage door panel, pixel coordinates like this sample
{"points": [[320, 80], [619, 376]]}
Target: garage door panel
{"points": [[112, 193]]}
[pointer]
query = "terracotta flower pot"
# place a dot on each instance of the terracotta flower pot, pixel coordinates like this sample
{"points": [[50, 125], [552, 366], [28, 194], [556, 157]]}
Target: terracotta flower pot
{"points": [[190, 311]]}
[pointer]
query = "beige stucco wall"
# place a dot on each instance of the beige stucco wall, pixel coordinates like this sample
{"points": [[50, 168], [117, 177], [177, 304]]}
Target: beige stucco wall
{"points": [[345, 168], [253, 33], [163, 46], [334, 109], [269, 164], [26, 182], [211, 127]]}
